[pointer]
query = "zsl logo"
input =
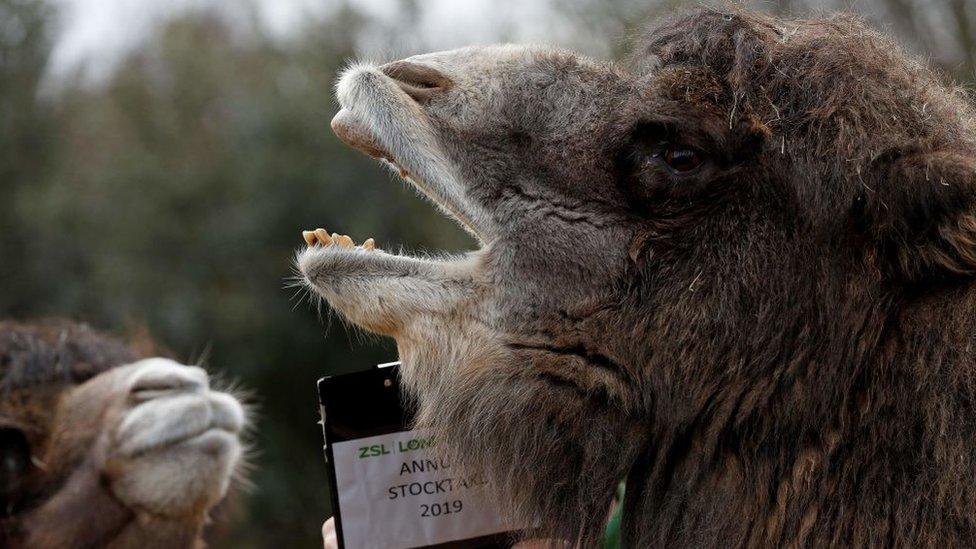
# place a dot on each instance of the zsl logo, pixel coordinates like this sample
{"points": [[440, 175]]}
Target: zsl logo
{"points": [[400, 448], [373, 451]]}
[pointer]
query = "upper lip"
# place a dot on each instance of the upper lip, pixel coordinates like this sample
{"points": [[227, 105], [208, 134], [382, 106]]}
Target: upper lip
{"points": [[177, 418], [352, 131], [417, 81]]}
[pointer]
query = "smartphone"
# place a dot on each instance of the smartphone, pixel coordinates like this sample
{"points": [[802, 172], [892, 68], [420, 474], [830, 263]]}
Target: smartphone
{"points": [[389, 489]]}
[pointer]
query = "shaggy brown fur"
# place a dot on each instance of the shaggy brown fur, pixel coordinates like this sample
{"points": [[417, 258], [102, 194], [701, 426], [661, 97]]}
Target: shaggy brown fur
{"points": [[820, 380], [775, 347]]}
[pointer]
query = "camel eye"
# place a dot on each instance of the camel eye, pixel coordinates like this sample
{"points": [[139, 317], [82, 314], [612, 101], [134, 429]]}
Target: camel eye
{"points": [[681, 159]]}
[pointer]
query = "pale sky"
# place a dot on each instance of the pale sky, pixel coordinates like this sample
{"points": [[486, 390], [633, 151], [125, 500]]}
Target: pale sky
{"points": [[94, 35]]}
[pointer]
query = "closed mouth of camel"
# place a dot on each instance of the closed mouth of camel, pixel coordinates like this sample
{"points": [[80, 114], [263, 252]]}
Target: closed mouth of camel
{"points": [[382, 114], [167, 421]]}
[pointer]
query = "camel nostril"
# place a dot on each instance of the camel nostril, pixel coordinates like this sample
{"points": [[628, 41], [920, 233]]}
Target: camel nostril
{"points": [[418, 81]]}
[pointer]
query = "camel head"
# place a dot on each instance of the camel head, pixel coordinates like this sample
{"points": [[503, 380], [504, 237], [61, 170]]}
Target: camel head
{"points": [[100, 447], [669, 251]]}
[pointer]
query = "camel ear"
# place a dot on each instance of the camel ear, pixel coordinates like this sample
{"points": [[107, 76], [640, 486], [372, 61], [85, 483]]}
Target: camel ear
{"points": [[926, 213]]}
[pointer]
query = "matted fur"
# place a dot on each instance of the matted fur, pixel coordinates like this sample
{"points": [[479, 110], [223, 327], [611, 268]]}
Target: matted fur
{"points": [[775, 349]]}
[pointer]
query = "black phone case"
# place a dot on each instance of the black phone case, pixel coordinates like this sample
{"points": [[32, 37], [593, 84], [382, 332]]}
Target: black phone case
{"points": [[345, 418]]}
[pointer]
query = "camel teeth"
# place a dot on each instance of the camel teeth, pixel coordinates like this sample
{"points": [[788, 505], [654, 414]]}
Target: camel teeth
{"points": [[323, 236]]}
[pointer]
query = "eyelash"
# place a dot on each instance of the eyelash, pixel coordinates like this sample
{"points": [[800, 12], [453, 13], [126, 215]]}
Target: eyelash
{"points": [[679, 159]]}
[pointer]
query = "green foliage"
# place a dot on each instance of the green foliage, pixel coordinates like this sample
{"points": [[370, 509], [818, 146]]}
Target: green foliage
{"points": [[173, 199], [25, 130]]}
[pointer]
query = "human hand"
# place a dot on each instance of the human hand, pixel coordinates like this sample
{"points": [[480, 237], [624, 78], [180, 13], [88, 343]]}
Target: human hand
{"points": [[329, 539]]}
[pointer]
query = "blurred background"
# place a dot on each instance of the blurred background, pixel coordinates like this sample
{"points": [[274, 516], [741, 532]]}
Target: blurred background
{"points": [[158, 161]]}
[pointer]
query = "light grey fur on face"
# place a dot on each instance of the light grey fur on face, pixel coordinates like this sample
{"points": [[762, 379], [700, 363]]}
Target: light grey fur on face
{"points": [[499, 346], [371, 98]]}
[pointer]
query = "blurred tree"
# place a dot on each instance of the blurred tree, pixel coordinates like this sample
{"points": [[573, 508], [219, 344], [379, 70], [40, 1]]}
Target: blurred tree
{"points": [[944, 30], [27, 139], [173, 198]]}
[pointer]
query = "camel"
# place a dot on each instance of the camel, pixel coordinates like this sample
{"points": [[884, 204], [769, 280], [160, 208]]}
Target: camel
{"points": [[736, 270], [103, 447]]}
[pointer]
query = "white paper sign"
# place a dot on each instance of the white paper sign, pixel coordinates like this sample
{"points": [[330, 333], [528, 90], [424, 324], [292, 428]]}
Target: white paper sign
{"points": [[394, 494]]}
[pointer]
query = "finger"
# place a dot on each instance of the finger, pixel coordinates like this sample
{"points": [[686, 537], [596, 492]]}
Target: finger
{"points": [[329, 539]]}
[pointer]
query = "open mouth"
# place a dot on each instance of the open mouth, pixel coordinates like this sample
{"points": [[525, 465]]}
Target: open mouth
{"points": [[384, 114]]}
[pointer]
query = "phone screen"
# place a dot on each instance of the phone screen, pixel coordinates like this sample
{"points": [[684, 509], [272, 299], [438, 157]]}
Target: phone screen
{"points": [[389, 489]]}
